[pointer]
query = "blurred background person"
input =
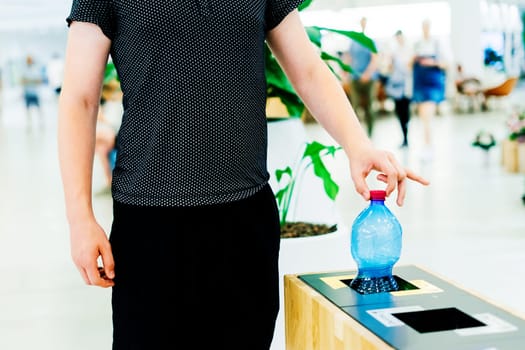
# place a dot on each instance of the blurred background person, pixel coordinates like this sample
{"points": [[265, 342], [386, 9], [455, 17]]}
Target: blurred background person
{"points": [[429, 75], [31, 80], [364, 66], [399, 82]]}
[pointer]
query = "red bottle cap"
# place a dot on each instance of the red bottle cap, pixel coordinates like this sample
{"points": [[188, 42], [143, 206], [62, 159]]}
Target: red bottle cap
{"points": [[379, 195]]}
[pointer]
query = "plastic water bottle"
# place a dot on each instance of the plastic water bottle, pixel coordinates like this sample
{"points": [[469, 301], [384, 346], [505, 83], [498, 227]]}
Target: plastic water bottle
{"points": [[376, 246]]}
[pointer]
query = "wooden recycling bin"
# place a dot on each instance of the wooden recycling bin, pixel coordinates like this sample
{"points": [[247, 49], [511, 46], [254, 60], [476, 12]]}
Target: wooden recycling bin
{"points": [[323, 313]]}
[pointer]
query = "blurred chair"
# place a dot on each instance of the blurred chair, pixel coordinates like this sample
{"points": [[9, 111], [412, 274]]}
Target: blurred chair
{"points": [[500, 91], [469, 94]]}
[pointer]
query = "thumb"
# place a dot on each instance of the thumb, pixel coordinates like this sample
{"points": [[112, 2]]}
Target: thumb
{"points": [[108, 263], [361, 187]]}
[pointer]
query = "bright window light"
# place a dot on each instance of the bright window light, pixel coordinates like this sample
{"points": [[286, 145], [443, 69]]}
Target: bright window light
{"points": [[384, 21]]}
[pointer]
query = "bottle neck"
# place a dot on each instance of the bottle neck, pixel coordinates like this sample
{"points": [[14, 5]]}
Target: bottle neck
{"points": [[375, 271]]}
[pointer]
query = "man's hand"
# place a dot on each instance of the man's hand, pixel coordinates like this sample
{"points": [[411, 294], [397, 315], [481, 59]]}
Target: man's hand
{"points": [[390, 172], [88, 243]]}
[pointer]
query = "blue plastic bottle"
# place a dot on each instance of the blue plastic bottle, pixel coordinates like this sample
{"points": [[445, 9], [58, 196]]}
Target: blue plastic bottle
{"points": [[376, 246]]}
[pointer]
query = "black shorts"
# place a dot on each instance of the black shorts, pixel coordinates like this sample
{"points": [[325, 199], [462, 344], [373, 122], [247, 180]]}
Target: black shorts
{"points": [[205, 276]]}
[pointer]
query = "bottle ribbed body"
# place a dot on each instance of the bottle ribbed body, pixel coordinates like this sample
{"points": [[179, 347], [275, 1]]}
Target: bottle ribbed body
{"points": [[376, 242]]}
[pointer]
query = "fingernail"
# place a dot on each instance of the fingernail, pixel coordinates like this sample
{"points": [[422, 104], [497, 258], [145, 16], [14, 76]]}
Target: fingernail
{"points": [[111, 274]]}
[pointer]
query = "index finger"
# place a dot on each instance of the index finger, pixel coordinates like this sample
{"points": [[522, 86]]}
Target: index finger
{"points": [[414, 177]]}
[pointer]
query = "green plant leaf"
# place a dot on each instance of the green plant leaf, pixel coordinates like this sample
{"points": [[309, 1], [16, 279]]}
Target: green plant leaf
{"points": [[355, 36], [330, 187], [315, 35], [305, 4], [314, 152], [279, 195], [110, 73], [278, 85], [280, 172], [327, 57], [284, 195], [315, 148]]}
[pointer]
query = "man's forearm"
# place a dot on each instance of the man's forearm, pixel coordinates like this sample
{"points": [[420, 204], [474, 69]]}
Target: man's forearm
{"points": [[338, 117], [76, 143]]}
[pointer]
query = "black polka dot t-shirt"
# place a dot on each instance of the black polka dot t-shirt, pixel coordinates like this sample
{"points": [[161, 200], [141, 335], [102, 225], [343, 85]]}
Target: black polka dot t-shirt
{"points": [[192, 74]]}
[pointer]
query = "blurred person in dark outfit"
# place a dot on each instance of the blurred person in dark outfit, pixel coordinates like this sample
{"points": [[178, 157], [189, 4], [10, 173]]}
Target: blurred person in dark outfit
{"points": [[195, 234], [399, 84]]}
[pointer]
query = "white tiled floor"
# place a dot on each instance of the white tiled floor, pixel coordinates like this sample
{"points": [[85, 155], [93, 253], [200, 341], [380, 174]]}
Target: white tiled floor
{"points": [[468, 225]]}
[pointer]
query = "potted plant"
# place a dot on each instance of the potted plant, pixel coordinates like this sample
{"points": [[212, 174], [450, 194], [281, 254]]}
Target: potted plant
{"points": [[294, 137], [302, 237], [288, 178], [513, 146], [308, 245], [485, 141]]}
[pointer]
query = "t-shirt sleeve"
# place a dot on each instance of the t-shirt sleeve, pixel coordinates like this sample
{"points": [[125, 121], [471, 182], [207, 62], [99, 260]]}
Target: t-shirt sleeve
{"points": [[98, 12], [277, 10]]}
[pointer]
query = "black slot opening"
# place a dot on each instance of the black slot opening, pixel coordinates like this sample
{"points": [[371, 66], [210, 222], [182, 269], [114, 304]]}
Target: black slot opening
{"points": [[438, 320], [401, 283]]}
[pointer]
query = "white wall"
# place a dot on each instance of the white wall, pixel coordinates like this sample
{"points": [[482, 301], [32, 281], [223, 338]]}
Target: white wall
{"points": [[32, 14], [466, 26]]}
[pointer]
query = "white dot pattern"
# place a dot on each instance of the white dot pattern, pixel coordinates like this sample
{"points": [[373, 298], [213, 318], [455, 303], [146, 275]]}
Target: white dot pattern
{"points": [[193, 130]]}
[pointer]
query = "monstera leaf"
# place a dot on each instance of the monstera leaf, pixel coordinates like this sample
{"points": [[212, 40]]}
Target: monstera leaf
{"points": [[278, 85]]}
